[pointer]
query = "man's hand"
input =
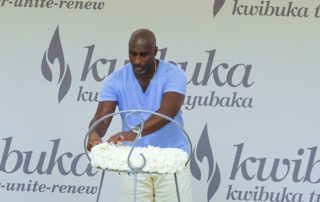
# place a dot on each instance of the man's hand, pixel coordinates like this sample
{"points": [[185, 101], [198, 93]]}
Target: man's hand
{"points": [[127, 136], [94, 139], [104, 108]]}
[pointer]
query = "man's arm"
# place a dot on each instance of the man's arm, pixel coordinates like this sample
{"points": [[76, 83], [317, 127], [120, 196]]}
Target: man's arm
{"points": [[104, 108], [171, 103]]}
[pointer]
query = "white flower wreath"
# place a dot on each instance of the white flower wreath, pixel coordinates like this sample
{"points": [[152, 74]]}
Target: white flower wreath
{"points": [[161, 160]]}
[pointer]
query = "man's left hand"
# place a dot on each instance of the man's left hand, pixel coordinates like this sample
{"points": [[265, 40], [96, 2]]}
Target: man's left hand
{"points": [[128, 136]]}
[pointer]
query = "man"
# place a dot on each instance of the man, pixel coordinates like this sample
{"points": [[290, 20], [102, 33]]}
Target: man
{"points": [[146, 84]]}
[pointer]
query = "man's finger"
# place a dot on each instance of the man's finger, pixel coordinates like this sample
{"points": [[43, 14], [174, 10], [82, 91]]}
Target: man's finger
{"points": [[111, 139]]}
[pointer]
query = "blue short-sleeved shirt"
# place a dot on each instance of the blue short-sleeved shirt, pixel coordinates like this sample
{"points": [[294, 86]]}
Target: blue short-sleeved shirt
{"points": [[123, 87]]}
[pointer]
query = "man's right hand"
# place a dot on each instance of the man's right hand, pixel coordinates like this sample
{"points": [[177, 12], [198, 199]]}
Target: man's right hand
{"points": [[104, 108], [94, 139]]}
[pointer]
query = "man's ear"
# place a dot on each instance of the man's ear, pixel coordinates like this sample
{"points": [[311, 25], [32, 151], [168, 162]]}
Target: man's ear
{"points": [[155, 50]]}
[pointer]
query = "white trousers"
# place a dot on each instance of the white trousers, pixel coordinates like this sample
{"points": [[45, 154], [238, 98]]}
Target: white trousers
{"points": [[156, 187]]}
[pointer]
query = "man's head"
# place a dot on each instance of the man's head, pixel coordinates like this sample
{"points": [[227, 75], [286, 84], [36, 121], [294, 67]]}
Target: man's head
{"points": [[142, 50]]}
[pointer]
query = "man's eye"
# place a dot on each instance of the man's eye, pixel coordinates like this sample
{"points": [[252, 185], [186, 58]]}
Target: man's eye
{"points": [[144, 54]]}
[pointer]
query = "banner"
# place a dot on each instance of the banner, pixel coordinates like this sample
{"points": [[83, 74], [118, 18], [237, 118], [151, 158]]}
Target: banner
{"points": [[251, 108]]}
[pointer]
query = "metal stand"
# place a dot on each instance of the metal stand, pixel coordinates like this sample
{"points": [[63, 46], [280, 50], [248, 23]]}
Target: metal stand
{"points": [[135, 170], [177, 187]]}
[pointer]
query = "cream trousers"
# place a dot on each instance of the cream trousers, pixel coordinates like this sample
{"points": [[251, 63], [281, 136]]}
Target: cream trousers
{"points": [[156, 187]]}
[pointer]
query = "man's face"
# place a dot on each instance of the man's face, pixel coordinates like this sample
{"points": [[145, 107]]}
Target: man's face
{"points": [[141, 55]]}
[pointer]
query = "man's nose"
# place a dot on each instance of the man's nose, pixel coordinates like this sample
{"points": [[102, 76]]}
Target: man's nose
{"points": [[137, 59]]}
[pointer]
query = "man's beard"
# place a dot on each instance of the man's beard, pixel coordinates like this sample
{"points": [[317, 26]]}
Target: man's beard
{"points": [[143, 71]]}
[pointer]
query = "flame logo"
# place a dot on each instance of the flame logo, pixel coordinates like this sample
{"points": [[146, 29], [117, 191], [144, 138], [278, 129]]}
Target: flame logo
{"points": [[51, 54], [203, 150], [217, 5]]}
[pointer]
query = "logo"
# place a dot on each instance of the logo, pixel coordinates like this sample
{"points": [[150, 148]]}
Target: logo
{"points": [[203, 74], [217, 5], [203, 150], [67, 163], [52, 55]]}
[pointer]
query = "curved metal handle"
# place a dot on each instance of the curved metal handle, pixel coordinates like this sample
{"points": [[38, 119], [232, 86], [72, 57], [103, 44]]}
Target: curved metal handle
{"points": [[131, 112], [135, 169]]}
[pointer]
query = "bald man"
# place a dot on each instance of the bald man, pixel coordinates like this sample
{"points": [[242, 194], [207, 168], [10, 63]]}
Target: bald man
{"points": [[146, 83]]}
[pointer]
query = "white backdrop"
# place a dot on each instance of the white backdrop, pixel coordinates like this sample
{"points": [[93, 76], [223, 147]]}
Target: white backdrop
{"points": [[252, 106]]}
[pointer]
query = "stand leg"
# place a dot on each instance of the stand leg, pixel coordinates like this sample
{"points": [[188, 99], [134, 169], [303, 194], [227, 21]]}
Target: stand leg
{"points": [[177, 187], [135, 187], [100, 186]]}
